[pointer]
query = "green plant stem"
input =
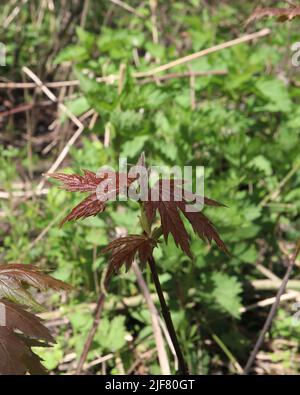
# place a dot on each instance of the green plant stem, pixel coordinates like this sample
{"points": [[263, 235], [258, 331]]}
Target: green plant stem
{"points": [[183, 370], [228, 353]]}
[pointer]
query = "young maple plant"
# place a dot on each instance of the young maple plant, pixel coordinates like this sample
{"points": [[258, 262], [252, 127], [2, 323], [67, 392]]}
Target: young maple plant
{"points": [[170, 204], [20, 329]]}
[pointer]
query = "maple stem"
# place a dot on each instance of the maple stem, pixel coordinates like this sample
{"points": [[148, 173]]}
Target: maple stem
{"points": [[183, 370]]}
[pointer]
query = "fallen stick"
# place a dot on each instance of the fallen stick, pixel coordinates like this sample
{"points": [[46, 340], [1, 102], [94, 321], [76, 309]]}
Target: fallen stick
{"points": [[161, 352], [110, 79], [269, 301], [62, 107], [204, 52], [273, 310], [20, 194]]}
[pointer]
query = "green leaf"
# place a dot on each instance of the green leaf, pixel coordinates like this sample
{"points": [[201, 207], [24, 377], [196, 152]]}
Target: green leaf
{"points": [[77, 107], [86, 38], [276, 93], [111, 333], [72, 53], [261, 163], [226, 292], [96, 237], [133, 147], [51, 358], [249, 255]]}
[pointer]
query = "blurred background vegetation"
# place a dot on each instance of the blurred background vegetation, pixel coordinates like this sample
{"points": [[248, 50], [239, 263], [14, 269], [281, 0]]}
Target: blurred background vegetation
{"points": [[234, 111]]}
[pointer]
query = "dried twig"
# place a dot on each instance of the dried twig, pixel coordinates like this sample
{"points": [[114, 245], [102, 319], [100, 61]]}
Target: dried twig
{"points": [[161, 352], [269, 285], [192, 91], [111, 79], [204, 52], [185, 74], [127, 8], [153, 7], [267, 302], [32, 85], [21, 194], [74, 119], [51, 96], [183, 369], [167, 66], [13, 14], [275, 193], [23, 108], [93, 330], [84, 13], [273, 311]]}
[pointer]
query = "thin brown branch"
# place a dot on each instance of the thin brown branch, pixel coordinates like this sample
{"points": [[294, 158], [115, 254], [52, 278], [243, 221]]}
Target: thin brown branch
{"points": [[267, 302], [85, 11], [92, 332], [23, 108], [272, 312], [161, 352], [23, 194], [32, 85], [192, 91], [63, 108], [51, 96], [204, 52], [13, 14], [153, 7], [270, 285], [185, 74], [111, 79], [183, 370], [127, 7], [274, 194]]}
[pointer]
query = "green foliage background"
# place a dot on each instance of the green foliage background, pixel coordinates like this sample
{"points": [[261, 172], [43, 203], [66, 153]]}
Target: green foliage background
{"points": [[244, 130]]}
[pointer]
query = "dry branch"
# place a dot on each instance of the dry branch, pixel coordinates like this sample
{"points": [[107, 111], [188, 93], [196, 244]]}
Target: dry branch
{"points": [[273, 310], [162, 355]]}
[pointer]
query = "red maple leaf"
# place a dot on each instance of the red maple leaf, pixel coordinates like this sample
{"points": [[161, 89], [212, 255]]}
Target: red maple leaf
{"points": [[171, 199], [20, 330], [125, 249], [104, 186]]}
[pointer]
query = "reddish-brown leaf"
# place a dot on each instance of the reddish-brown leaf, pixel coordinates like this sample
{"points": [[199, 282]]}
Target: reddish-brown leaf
{"points": [[16, 318], [77, 183], [173, 198], [104, 187], [21, 330], [16, 356], [14, 276], [282, 14], [31, 275], [171, 222], [125, 249], [88, 207], [203, 227]]}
